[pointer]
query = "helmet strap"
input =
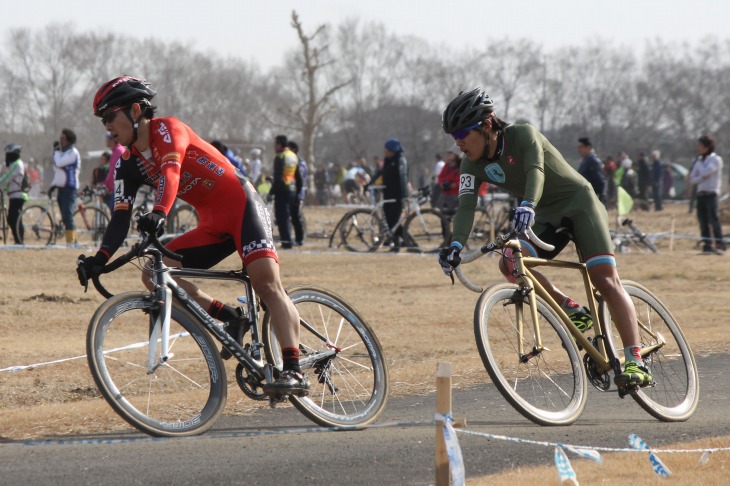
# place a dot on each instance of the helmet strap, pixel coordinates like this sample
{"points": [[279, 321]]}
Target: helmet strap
{"points": [[135, 125]]}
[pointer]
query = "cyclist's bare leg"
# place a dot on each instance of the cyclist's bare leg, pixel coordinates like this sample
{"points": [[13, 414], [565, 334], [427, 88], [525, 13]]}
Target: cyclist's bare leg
{"points": [[266, 282], [605, 278]]}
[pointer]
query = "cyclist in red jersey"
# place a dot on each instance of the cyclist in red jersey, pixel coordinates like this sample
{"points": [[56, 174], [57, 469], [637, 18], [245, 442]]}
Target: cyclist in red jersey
{"points": [[169, 156]]}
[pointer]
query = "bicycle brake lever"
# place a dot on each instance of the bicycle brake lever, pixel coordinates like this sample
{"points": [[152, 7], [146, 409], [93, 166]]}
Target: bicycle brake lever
{"points": [[81, 272]]}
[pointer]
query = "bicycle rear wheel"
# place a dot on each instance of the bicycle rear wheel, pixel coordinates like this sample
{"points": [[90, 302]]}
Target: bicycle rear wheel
{"points": [[341, 357], [360, 230], [91, 223], [427, 229], [548, 385], [182, 219], [38, 227], [676, 391], [182, 395]]}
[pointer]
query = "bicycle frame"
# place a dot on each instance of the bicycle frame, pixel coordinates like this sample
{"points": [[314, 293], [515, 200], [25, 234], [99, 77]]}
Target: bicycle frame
{"points": [[167, 288]]}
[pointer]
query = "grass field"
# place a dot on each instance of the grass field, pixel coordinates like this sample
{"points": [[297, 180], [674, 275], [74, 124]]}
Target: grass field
{"points": [[418, 316]]}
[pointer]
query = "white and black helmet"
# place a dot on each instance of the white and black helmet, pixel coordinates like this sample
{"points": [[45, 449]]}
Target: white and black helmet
{"points": [[466, 110], [13, 148]]}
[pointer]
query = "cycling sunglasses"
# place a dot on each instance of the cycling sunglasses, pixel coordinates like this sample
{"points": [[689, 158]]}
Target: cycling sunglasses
{"points": [[462, 133], [109, 114]]}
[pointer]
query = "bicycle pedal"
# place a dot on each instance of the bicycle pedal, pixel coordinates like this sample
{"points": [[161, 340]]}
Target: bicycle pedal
{"points": [[277, 398], [627, 390]]}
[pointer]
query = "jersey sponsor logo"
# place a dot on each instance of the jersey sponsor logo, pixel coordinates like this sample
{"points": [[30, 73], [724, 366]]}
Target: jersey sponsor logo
{"points": [[209, 184], [495, 173], [171, 157], [185, 176], [164, 132], [510, 160], [160, 190], [466, 184], [188, 187], [265, 220], [202, 160], [125, 154]]}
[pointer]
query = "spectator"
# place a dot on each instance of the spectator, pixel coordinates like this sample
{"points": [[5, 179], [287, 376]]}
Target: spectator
{"points": [[67, 162], [99, 176], [34, 177], [264, 186], [611, 189], [656, 179], [255, 166], [644, 179], [395, 180], [283, 187], [591, 168], [628, 180], [448, 182], [321, 186], [706, 175], [439, 164], [297, 201], [11, 182], [229, 155]]}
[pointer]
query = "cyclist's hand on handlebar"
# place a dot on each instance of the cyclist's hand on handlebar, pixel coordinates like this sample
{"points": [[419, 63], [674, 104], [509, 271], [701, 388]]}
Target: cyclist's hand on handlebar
{"points": [[89, 266], [524, 217], [152, 223], [449, 259]]}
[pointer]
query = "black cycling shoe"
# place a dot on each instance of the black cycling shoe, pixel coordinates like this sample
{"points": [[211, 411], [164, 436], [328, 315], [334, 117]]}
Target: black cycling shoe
{"points": [[290, 382], [236, 328]]}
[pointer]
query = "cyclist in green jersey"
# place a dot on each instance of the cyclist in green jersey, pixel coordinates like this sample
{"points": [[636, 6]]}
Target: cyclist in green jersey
{"points": [[555, 198]]}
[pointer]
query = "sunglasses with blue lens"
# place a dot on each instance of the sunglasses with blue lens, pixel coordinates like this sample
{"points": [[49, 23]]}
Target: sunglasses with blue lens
{"points": [[462, 133]]}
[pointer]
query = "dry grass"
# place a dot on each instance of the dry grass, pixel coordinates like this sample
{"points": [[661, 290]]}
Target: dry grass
{"points": [[419, 318], [624, 468]]}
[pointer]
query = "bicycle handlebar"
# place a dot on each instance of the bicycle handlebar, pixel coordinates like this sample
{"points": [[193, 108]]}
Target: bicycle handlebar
{"points": [[137, 250], [499, 242]]}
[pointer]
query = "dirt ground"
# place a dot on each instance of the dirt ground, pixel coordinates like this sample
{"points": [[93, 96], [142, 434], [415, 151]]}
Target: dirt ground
{"points": [[418, 316]]}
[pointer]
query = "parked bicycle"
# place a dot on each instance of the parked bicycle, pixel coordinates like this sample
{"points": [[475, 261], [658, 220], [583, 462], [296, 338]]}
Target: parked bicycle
{"points": [[182, 218], [4, 227], [154, 358], [531, 348], [43, 225], [366, 229]]}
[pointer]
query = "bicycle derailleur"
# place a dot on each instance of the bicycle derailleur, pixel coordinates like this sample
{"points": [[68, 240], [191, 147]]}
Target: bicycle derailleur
{"points": [[602, 381]]}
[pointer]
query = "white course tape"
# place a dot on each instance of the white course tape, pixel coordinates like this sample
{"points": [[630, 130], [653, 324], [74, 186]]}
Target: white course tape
{"points": [[565, 470], [453, 450], [115, 350]]}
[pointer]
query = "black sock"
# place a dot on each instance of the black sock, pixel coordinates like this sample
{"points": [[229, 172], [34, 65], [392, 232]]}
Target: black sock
{"points": [[290, 356], [222, 312]]}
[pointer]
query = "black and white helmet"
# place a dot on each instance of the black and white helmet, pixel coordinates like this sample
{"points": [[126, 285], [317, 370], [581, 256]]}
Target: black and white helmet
{"points": [[13, 148], [467, 109]]}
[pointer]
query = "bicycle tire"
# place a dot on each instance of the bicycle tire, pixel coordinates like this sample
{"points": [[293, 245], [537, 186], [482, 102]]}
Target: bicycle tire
{"points": [[349, 388], [676, 392], [360, 231], [183, 396], [550, 387], [91, 224], [428, 231], [4, 222], [38, 226], [182, 219]]}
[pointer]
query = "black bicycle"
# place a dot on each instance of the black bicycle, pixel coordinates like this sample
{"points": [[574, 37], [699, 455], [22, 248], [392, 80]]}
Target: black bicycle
{"points": [[153, 355]]}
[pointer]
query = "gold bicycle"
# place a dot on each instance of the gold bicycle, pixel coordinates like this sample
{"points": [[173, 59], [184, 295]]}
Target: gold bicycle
{"points": [[532, 350]]}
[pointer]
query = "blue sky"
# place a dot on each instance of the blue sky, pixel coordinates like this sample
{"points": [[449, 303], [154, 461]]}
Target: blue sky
{"points": [[260, 30]]}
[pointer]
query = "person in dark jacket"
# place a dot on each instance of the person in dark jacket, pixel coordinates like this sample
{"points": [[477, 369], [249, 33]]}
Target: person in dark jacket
{"points": [[591, 168], [395, 180], [657, 172]]}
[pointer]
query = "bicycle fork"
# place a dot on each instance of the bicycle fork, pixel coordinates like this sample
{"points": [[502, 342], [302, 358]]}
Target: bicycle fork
{"points": [[160, 332]]}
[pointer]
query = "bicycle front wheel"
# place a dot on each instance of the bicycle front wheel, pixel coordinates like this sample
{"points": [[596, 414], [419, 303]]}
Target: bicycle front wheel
{"points": [[545, 384], [91, 224], [428, 230], [37, 226], [182, 219], [360, 231], [676, 390], [341, 357], [177, 395]]}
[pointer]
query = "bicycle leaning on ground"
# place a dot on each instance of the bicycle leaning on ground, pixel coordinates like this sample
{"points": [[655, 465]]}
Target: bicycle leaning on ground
{"points": [[531, 348], [42, 222], [633, 237], [153, 355], [4, 226]]}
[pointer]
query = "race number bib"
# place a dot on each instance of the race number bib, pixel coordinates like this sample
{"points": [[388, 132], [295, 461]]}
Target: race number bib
{"points": [[466, 184]]}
